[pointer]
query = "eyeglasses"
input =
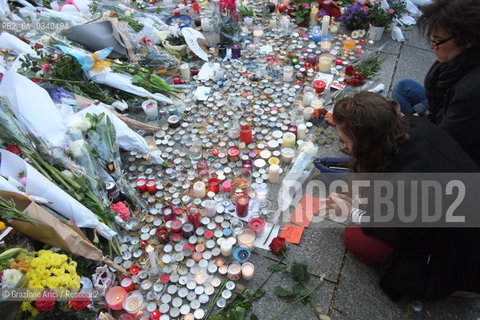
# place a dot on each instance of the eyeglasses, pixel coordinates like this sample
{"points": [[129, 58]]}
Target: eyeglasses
{"points": [[438, 43]]}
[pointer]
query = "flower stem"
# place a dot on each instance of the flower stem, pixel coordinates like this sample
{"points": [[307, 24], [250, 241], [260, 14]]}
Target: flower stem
{"points": [[215, 297], [310, 302], [296, 301]]}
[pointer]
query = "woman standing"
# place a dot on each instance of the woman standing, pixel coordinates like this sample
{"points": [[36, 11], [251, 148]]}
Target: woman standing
{"points": [[420, 262], [451, 92]]}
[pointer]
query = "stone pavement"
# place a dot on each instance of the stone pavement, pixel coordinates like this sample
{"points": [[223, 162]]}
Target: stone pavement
{"points": [[350, 290]]}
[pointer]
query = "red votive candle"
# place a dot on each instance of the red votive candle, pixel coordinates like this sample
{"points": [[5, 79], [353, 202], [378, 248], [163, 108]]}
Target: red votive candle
{"points": [[127, 284], [151, 186], [141, 185], [176, 225], [246, 134], [233, 154], [242, 206], [214, 185], [319, 86], [257, 225], [177, 80]]}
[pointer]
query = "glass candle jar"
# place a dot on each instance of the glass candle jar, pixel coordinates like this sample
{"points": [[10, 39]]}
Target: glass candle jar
{"points": [[288, 73], [241, 203], [246, 134], [246, 239], [325, 63], [234, 271]]}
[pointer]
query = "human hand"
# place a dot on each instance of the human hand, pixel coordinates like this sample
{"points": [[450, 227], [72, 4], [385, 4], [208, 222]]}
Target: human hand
{"points": [[337, 207]]}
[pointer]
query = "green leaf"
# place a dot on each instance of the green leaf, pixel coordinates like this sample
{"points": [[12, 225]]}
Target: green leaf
{"points": [[300, 290], [299, 273], [258, 294], [217, 317], [254, 317], [282, 292], [277, 267]]}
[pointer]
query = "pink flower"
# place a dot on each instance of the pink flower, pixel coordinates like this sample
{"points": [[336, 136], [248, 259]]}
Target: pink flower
{"points": [[391, 11], [121, 209], [23, 180], [45, 67], [306, 6]]}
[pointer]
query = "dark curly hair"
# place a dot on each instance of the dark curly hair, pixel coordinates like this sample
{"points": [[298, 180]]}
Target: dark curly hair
{"points": [[375, 125], [459, 17]]}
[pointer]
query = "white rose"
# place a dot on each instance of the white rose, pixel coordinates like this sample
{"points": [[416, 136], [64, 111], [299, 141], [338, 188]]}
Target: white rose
{"points": [[361, 33], [80, 124], [11, 278], [76, 147], [68, 173]]}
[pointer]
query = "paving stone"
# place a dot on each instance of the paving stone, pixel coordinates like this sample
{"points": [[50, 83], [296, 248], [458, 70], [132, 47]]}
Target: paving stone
{"points": [[413, 63], [359, 296], [413, 38], [270, 304], [321, 246]]}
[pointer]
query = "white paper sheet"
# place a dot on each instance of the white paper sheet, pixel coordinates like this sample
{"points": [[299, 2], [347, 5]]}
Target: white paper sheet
{"points": [[61, 202], [259, 242]]}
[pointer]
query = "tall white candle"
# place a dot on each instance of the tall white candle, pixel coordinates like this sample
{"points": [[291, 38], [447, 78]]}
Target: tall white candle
{"points": [[313, 16], [210, 208], [274, 173], [301, 131], [152, 257], [199, 190], [308, 113], [226, 248], [325, 26], [185, 72], [288, 140], [247, 270]]}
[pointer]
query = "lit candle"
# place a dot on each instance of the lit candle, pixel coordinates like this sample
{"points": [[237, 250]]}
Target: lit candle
{"points": [[246, 239], [127, 284], [274, 172], [199, 190], [308, 113], [234, 271], [288, 73], [133, 302], [185, 71], [233, 154], [141, 185], [334, 28], [247, 270], [210, 208], [258, 32], [288, 153], [219, 261], [349, 44], [308, 95], [325, 45], [200, 277], [152, 257], [319, 86], [288, 140], [242, 205], [313, 15], [115, 297], [325, 64], [246, 134], [151, 186], [151, 109], [316, 104], [214, 184], [325, 26], [301, 131], [257, 225], [226, 249], [312, 58], [316, 34]]}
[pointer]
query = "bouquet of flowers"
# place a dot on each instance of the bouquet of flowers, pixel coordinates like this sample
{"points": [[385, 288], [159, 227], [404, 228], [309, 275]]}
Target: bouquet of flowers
{"points": [[355, 16]]}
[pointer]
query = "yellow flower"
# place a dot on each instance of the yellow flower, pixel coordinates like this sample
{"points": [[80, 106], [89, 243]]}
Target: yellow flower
{"points": [[2, 225]]}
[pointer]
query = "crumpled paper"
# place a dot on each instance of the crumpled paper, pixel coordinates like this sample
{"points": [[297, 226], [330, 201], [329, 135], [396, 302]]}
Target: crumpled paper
{"points": [[50, 230], [397, 34]]}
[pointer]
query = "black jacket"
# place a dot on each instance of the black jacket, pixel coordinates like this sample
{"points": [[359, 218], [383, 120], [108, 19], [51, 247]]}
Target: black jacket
{"points": [[453, 92], [430, 263]]}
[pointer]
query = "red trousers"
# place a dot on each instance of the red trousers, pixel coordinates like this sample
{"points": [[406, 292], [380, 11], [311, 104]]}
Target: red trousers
{"points": [[367, 249]]}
